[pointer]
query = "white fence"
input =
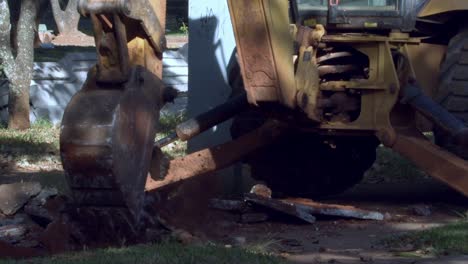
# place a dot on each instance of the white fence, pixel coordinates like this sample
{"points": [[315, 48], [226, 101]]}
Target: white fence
{"points": [[54, 83]]}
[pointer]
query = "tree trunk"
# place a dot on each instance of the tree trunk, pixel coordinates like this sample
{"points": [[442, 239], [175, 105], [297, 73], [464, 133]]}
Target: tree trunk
{"points": [[67, 20], [18, 106], [19, 69]]}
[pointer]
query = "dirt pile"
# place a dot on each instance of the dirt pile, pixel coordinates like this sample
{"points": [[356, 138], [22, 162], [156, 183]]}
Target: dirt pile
{"points": [[37, 221]]}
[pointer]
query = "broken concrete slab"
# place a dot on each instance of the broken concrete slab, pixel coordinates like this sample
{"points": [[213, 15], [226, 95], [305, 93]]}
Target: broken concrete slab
{"points": [[12, 233], [56, 236], [284, 207], [38, 211], [44, 196], [39, 215], [251, 218], [18, 219], [316, 208], [261, 190], [228, 205], [14, 196], [421, 210], [306, 209]]}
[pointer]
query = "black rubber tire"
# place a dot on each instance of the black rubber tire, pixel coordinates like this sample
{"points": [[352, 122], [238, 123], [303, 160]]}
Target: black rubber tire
{"points": [[308, 165], [303, 164], [452, 93]]}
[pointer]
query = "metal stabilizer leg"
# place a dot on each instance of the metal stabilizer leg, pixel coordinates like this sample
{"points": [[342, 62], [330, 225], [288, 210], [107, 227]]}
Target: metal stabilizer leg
{"points": [[413, 95], [207, 120], [437, 162], [215, 158], [434, 160]]}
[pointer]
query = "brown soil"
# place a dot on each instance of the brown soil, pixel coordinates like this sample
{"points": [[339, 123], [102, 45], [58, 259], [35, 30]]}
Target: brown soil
{"points": [[329, 240]]}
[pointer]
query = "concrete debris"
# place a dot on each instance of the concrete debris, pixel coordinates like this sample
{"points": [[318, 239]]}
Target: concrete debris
{"points": [[40, 215], [251, 218], [284, 207], [306, 209], [44, 196], [56, 236], [421, 210], [334, 210], [12, 233], [14, 196], [261, 190], [228, 205], [33, 224], [18, 219], [40, 208]]}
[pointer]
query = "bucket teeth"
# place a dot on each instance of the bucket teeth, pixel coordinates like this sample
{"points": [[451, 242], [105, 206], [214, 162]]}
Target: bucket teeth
{"points": [[107, 141]]}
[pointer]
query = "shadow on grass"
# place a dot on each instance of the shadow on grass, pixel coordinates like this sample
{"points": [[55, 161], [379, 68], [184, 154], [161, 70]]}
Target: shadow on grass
{"points": [[167, 252], [444, 240], [39, 143]]}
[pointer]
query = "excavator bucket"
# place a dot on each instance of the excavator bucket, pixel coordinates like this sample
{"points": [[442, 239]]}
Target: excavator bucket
{"points": [[107, 139], [109, 127]]}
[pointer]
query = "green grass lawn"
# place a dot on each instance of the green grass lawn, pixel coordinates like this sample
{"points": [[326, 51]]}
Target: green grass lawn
{"points": [[40, 140], [392, 167], [167, 252], [451, 239]]}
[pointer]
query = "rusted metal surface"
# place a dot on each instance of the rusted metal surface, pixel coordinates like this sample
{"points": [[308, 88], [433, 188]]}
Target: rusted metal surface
{"points": [[216, 158], [307, 36], [336, 69], [340, 103], [264, 46], [120, 42], [111, 43], [307, 74], [437, 162], [333, 55], [107, 140], [307, 83], [109, 126], [139, 10]]}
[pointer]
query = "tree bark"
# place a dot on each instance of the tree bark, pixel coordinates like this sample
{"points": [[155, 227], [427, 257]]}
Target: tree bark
{"points": [[67, 20], [19, 69]]}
